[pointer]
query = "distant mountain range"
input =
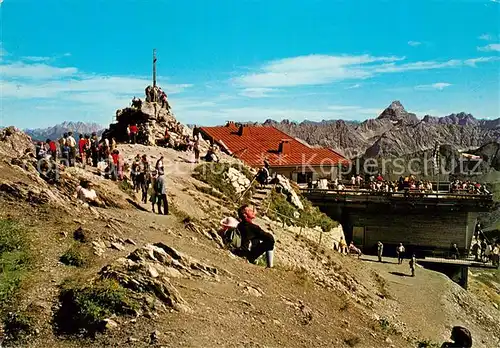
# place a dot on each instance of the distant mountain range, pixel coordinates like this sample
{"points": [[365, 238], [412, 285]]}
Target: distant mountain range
{"points": [[395, 132], [58, 130]]}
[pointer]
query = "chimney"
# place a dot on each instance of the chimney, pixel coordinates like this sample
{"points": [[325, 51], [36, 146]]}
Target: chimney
{"points": [[229, 123], [242, 130], [285, 147]]}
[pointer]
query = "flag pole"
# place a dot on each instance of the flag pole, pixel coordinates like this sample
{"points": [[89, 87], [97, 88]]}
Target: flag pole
{"points": [[154, 67]]}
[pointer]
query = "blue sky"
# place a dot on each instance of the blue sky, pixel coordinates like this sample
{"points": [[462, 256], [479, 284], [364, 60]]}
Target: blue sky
{"points": [[248, 60]]}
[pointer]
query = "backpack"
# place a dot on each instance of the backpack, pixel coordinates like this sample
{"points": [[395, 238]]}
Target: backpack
{"points": [[232, 238]]}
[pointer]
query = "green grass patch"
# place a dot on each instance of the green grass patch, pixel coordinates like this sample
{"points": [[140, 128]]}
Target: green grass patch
{"points": [[126, 187], [83, 306], [311, 216], [211, 191], [386, 326], [15, 260], [77, 255], [19, 326]]}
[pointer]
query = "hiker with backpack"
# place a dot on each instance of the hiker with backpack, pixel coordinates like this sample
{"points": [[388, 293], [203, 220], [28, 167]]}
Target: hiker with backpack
{"points": [[254, 240]]}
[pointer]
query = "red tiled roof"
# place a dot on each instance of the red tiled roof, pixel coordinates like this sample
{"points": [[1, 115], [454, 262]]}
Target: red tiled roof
{"points": [[262, 142]]}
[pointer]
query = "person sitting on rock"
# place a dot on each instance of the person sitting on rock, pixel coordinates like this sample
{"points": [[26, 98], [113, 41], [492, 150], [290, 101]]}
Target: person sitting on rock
{"points": [[86, 194], [254, 240], [461, 338]]}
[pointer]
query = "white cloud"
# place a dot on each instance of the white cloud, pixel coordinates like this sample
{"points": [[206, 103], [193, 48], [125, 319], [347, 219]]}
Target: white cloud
{"points": [[474, 61], [257, 92], [68, 92], [414, 43], [34, 71], [357, 85], [425, 65], [322, 69], [311, 70], [36, 59], [435, 86], [497, 1], [490, 48], [486, 37]]}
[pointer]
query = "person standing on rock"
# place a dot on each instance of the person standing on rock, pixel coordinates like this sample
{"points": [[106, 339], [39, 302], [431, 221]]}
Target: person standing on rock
{"points": [[342, 246], [254, 240], [400, 250], [159, 164], [94, 149], [413, 262], [154, 193], [145, 178], [161, 192], [72, 149], [380, 250], [196, 149], [52, 149], [133, 133]]}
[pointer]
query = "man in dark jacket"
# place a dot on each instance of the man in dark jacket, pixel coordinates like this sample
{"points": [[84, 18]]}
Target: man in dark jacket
{"points": [[253, 238], [161, 193], [461, 338]]}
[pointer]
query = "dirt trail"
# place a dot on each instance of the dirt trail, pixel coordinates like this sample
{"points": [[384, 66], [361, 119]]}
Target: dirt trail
{"points": [[427, 303]]}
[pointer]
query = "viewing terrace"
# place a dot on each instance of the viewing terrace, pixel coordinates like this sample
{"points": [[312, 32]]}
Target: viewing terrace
{"points": [[352, 195]]}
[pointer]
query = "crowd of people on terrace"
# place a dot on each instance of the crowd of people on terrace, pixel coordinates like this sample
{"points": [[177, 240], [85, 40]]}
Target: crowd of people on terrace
{"points": [[484, 250], [377, 183]]}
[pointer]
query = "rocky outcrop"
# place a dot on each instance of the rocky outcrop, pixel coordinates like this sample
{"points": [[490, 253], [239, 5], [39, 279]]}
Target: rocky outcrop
{"points": [[148, 271], [15, 143], [288, 190], [153, 117], [237, 179]]}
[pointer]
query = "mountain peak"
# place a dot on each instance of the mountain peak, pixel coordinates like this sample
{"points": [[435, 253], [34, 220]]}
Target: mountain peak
{"points": [[397, 113]]}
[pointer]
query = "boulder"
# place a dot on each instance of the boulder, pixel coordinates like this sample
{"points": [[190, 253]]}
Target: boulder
{"points": [[288, 189], [147, 271]]}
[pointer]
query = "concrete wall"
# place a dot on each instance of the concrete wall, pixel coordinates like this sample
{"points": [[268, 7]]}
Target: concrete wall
{"points": [[328, 240], [422, 232]]}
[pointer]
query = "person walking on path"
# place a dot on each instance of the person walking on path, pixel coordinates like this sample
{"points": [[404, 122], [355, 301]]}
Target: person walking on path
{"points": [[380, 250], [161, 189], [413, 262], [401, 253]]}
